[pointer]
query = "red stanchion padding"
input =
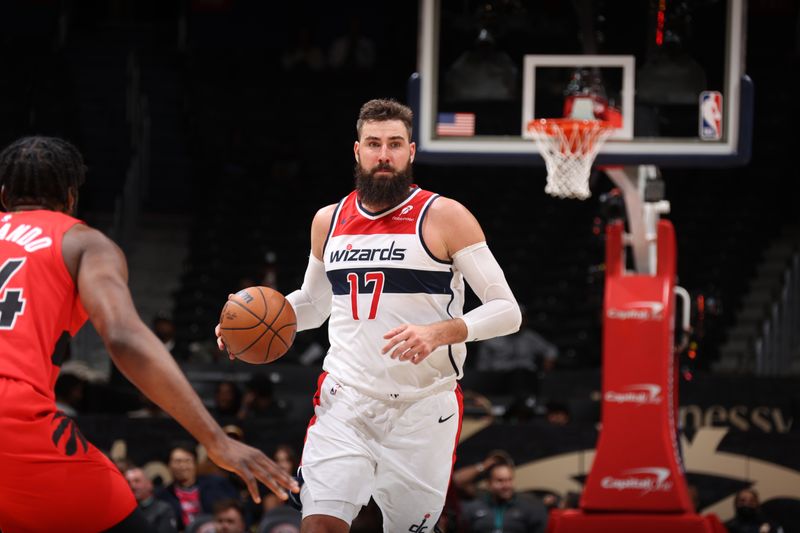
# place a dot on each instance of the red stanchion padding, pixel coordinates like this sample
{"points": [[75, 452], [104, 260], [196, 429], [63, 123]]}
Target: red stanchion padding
{"points": [[576, 521], [637, 467]]}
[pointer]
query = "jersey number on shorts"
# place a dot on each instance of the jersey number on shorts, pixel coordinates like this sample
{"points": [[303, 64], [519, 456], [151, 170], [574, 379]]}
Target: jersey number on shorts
{"points": [[12, 304], [370, 278]]}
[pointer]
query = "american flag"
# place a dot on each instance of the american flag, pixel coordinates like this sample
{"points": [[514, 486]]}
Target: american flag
{"points": [[456, 124]]}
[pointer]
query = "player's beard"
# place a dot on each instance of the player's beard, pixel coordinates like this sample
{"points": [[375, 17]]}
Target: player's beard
{"points": [[383, 191]]}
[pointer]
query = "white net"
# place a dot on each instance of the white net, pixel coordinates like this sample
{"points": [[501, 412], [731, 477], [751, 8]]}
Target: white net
{"points": [[569, 147]]}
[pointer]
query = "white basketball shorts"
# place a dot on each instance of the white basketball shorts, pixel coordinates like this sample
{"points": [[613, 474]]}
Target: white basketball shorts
{"points": [[399, 452]]}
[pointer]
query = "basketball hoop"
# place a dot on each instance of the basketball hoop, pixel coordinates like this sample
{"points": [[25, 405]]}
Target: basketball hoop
{"points": [[569, 147]]}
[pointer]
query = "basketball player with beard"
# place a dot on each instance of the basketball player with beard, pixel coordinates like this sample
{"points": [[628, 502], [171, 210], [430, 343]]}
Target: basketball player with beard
{"points": [[387, 265]]}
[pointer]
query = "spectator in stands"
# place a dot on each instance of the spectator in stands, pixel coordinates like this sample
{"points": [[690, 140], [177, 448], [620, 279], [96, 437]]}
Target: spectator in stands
{"points": [[285, 457], [189, 494], [524, 351], [229, 516], [258, 401], [164, 328], [552, 500], [250, 510], [502, 509], [557, 414], [204, 523], [70, 390], [278, 517], [353, 50], [122, 463], [303, 54], [227, 400], [694, 495], [572, 500], [466, 478], [282, 519], [749, 516], [207, 466], [464, 488], [520, 358], [477, 407], [159, 514]]}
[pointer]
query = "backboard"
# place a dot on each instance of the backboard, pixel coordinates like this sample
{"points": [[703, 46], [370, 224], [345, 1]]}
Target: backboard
{"points": [[670, 72]]}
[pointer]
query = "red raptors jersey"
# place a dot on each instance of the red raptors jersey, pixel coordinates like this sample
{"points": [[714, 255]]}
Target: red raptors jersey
{"points": [[39, 305]]}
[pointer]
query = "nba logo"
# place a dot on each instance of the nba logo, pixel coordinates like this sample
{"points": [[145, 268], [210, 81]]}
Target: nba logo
{"points": [[710, 115]]}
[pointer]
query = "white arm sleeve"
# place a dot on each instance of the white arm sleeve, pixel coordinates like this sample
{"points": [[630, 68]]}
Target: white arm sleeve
{"points": [[312, 301], [499, 314]]}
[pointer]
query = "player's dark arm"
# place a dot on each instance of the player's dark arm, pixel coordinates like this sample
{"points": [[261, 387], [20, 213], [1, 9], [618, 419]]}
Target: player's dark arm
{"points": [[100, 271]]}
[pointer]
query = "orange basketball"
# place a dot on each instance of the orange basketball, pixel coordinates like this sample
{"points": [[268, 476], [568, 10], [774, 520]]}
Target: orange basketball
{"points": [[258, 325]]}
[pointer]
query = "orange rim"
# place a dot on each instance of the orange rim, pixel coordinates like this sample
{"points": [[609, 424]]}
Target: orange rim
{"points": [[568, 125]]}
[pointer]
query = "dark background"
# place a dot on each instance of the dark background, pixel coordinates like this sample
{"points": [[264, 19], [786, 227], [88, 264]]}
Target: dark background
{"points": [[246, 151], [243, 151]]}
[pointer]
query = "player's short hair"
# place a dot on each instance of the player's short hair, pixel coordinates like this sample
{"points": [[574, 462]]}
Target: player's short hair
{"points": [[382, 109], [41, 170]]}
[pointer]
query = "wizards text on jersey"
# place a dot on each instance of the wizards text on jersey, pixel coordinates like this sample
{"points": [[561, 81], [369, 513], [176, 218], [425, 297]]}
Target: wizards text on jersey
{"points": [[368, 254]]}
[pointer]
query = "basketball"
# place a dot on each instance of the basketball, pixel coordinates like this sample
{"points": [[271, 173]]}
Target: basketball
{"points": [[258, 325]]}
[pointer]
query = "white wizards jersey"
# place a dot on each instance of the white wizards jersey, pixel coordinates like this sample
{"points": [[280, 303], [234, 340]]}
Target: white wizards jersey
{"points": [[383, 275]]}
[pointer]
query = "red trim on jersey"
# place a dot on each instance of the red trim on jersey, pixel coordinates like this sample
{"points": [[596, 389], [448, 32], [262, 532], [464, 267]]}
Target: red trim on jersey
{"points": [[451, 502], [315, 401], [332, 226], [402, 219], [460, 398]]}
